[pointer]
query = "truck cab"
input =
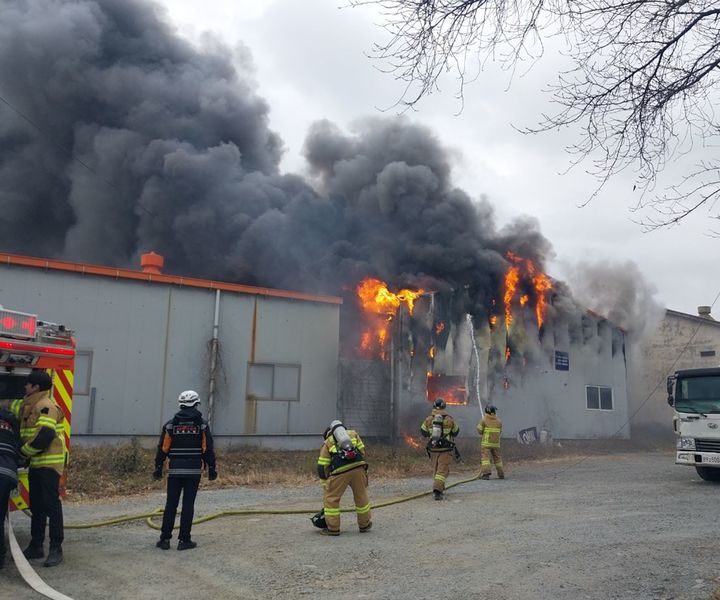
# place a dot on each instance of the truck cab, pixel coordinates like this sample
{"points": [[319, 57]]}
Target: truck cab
{"points": [[695, 396]]}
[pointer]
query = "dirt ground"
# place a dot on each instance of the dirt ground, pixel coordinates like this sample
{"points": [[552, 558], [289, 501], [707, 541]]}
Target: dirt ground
{"points": [[628, 526]]}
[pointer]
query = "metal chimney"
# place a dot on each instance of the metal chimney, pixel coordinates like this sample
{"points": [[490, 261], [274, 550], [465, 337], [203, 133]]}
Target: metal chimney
{"points": [[152, 263]]}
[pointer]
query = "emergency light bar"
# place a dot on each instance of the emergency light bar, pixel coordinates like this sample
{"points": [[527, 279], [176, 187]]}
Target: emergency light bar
{"points": [[17, 324], [37, 349]]}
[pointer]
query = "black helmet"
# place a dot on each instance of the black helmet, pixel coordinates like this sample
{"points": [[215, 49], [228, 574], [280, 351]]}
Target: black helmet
{"points": [[490, 409], [439, 403]]}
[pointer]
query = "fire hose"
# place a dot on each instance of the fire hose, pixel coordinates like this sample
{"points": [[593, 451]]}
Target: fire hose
{"points": [[35, 582]]}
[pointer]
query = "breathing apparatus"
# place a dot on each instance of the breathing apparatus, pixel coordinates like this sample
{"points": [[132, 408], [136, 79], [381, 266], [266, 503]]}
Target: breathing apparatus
{"points": [[437, 429], [346, 449]]}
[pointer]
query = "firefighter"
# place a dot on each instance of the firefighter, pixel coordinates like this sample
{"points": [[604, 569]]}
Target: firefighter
{"points": [[187, 440], [9, 456], [341, 464], [43, 446], [442, 430], [490, 428]]}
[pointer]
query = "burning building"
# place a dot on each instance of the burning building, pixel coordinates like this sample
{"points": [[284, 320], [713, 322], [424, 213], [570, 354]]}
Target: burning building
{"points": [[547, 364]]}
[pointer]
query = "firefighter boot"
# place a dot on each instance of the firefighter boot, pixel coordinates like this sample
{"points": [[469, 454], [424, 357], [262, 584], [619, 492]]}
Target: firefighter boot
{"points": [[55, 557], [329, 532], [163, 544], [485, 476], [34, 552], [438, 494], [366, 528], [186, 545]]}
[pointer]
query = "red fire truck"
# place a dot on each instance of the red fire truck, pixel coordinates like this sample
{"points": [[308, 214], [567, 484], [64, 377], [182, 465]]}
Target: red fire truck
{"points": [[27, 343]]}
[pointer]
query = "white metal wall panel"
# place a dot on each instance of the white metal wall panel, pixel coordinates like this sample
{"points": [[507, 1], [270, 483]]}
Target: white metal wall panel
{"points": [[150, 341]]}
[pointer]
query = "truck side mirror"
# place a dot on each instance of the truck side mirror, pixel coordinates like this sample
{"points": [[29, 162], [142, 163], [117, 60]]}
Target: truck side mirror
{"points": [[670, 399]]}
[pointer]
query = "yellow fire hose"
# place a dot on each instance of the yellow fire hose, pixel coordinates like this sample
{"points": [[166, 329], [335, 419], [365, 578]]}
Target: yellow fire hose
{"points": [[149, 516], [34, 581]]}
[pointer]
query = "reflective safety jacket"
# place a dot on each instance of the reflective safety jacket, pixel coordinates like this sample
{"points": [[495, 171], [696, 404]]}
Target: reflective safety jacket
{"points": [[332, 459], [9, 445], [450, 430], [187, 441], [41, 431], [490, 428]]}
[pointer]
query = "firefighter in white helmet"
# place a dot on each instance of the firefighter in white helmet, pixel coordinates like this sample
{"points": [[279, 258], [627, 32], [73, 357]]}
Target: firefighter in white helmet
{"points": [[490, 428], [187, 441], [442, 430], [341, 464]]}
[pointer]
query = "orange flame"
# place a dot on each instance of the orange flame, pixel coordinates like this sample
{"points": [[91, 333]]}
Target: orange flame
{"points": [[431, 352], [542, 284], [377, 298], [439, 327], [507, 354], [493, 320], [511, 280], [524, 268], [380, 306], [410, 441]]}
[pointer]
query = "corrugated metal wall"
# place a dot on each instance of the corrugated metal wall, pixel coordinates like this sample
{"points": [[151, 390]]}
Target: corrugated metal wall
{"points": [[142, 343]]}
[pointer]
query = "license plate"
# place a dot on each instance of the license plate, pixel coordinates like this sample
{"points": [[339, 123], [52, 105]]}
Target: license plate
{"points": [[711, 459]]}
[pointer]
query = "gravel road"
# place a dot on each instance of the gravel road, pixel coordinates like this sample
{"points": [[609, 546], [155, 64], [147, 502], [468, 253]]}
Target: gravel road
{"points": [[631, 526]]}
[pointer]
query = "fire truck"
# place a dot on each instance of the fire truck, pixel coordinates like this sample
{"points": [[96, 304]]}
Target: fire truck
{"points": [[695, 396], [27, 343]]}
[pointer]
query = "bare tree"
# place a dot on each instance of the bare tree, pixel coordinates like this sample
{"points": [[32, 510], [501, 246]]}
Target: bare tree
{"points": [[642, 85]]}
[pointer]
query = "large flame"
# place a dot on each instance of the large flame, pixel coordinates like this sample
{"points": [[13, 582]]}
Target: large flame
{"points": [[380, 306], [524, 271], [377, 298]]}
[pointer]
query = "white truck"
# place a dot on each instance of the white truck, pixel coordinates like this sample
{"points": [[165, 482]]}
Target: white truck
{"points": [[695, 396]]}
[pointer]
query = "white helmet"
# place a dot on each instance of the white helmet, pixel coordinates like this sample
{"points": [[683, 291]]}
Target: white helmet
{"points": [[188, 398]]}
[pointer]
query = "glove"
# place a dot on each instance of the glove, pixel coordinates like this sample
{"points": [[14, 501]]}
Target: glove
{"points": [[157, 474], [212, 474]]}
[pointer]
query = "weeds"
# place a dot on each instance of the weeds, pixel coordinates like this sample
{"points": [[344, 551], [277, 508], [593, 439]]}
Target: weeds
{"points": [[114, 471]]}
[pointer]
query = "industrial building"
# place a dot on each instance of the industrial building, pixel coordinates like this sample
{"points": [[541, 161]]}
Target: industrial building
{"points": [[265, 361], [680, 341], [269, 367], [563, 379]]}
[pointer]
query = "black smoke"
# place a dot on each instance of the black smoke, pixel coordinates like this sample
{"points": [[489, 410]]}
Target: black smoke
{"points": [[130, 139]]}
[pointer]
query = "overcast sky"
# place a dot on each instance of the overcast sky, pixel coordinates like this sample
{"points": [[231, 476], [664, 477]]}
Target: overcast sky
{"points": [[310, 60]]}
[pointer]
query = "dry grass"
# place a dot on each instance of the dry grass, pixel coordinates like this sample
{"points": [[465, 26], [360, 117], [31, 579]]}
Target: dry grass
{"points": [[98, 473]]}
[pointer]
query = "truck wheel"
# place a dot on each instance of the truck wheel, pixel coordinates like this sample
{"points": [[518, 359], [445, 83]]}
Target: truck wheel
{"points": [[708, 473]]}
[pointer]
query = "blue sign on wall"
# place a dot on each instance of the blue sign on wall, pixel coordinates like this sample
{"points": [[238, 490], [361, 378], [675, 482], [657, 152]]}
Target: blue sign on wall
{"points": [[562, 361]]}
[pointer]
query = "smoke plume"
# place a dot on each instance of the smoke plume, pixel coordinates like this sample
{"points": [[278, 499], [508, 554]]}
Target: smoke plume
{"points": [[118, 137], [619, 292]]}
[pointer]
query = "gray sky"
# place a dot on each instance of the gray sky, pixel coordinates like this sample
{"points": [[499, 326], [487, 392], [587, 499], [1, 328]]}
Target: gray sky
{"points": [[311, 64]]}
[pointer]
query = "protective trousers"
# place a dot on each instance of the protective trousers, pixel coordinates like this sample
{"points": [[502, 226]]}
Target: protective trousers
{"points": [[6, 486], [489, 456], [441, 469], [188, 486], [335, 487], [45, 506]]}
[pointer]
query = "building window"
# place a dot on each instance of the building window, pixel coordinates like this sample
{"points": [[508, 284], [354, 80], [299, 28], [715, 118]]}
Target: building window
{"points": [[707, 353], [598, 397], [81, 375], [267, 381]]}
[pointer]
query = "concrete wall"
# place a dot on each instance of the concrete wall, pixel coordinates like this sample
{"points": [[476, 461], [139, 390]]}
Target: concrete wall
{"points": [[142, 343], [681, 341]]}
